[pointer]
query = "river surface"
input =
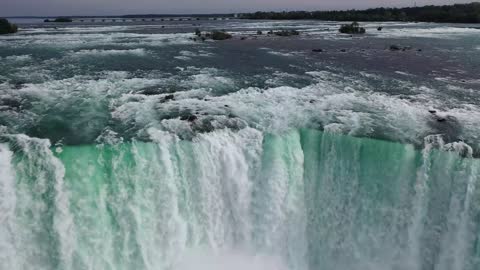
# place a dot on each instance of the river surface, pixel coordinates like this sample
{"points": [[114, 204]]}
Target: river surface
{"points": [[131, 145]]}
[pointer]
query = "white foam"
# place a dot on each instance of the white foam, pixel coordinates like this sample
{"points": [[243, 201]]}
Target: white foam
{"points": [[445, 32], [74, 40], [229, 259], [8, 258], [97, 52], [286, 54], [18, 58]]}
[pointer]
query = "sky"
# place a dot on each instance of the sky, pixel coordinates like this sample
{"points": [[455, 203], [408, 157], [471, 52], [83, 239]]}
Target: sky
{"points": [[9, 8]]}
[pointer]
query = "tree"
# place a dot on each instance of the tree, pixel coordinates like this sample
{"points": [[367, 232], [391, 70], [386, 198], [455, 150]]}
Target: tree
{"points": [[6, 27]]}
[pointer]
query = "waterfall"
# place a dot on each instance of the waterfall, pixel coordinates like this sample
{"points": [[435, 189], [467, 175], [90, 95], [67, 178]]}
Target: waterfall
{"points": [[301, 199]]}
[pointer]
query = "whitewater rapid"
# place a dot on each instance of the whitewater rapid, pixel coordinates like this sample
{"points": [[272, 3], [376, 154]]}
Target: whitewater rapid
{"points": [[133, 146]]}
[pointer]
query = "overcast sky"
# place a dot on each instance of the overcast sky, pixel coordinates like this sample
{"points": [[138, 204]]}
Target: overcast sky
{"points": [[120, 7]]}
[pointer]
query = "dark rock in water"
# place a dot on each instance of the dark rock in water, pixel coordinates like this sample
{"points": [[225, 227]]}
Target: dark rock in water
{"points": [[11, 103], [226, 106], [259, 32], [150, 92], [432, 111], [219, 35], [287, 33], [419, 50], [353, 28], [243, 38], [18, 85], [198, 33], [447, 125], [380, 28], [312, 101], [343, 50], [64, 20], [317, 50], [270, 32], [203, 38], [189, 118], [399, 48], [6, 27], [167, 98], [395, 48], [441, 119]]}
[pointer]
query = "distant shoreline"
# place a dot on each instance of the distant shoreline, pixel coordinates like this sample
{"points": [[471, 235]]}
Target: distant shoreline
{"points": [[457, 13]]}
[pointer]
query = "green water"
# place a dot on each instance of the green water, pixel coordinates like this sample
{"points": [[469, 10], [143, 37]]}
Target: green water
{"points": [[297, 200]]}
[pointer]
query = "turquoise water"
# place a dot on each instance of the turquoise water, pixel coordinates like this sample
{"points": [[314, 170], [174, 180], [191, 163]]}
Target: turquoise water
{"points": [[301, 200]]}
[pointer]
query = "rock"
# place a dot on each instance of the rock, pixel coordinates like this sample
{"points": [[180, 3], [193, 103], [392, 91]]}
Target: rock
{"points": [[380, 28], [169, 97], [399, 48], [189, 118], [441, 119], [270, 32], [287, 33], [317, 50], [243, 38], [353, 28], [219, 35], [6, 27], [343, 50], [395, 48], [64, 20], [259, 32], [198, 33], [166, 98]]}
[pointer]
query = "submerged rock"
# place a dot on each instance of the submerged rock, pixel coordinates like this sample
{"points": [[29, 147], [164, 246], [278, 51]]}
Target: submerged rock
{"points": [[287, 33], [63, 20], [169, 97], [380, 28], [317, 50], [189, 118], [220, 35], [395, 48], [198, 33], [399, 48]]}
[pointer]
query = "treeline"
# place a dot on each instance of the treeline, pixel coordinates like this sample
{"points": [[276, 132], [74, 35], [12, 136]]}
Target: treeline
{"points": [[175, 15], [458, 13]]}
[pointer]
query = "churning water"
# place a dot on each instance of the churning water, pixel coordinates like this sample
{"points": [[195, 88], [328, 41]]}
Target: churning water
{"points": [[131, 146]]}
